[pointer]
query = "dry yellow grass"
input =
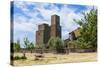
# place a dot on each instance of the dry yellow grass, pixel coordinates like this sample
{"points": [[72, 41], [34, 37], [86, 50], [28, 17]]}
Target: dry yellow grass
{"points": [[50, 58]]}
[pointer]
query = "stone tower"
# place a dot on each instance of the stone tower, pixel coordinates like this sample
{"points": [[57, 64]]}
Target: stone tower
{"points": [[43, 34], [55, 30]]}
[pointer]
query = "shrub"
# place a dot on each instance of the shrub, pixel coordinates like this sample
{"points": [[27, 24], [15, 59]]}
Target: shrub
{"points": [[59, 45], [23, 57], [51, 43], [56, 43], [18, 57]]}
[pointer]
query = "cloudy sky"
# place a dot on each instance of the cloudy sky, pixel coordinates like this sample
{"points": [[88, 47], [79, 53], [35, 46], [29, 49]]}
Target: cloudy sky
{"points": [[28, 15]]}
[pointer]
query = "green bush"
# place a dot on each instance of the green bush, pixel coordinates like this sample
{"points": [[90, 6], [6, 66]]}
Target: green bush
{"points": [[56, 43], [59, 45], [51, 43]]}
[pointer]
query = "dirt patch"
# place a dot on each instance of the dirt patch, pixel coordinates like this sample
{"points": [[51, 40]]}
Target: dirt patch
{"points": [[50, 58]]}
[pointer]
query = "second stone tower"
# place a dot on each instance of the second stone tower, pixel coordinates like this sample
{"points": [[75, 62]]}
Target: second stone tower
{"points": [[55, 30]]}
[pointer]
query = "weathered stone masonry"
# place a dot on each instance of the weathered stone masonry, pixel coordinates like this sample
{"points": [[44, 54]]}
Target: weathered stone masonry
{"points": [[55, 26], [45, 32]]}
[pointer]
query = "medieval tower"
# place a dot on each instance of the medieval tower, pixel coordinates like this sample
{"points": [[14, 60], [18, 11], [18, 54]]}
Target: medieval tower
{"points": [[55, 30], [45, 32]]}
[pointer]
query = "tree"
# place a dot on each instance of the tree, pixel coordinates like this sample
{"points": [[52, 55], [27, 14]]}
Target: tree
{"points": [[56, 43], [26, 42], [28, 45], [88, 30], [31, 46], [16, 45], [59, 45], [51, 43]]}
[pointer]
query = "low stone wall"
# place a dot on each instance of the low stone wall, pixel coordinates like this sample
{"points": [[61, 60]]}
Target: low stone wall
{"points": [[74, 50], [81, 50]]}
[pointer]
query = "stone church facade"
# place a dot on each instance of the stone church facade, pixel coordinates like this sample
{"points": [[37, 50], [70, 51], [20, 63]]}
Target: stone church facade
{"points": [[45, 32]]}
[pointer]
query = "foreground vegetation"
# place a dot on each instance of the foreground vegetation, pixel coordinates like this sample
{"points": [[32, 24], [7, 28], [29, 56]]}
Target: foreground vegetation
{"points": [[88, 31]]}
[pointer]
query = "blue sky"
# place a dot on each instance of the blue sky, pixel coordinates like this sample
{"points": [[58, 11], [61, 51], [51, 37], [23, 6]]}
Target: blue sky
{"points": [[28, 15]]}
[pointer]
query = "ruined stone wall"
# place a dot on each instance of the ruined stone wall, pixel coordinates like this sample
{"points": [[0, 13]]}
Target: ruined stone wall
{"points": [[74, 34]]}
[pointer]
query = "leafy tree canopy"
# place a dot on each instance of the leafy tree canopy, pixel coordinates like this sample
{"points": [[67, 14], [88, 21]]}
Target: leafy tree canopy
{"points": [[88, 30]]}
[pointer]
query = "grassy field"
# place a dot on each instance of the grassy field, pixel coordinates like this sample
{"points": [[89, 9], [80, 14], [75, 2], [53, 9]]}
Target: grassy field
{"points": [[50, 58]]}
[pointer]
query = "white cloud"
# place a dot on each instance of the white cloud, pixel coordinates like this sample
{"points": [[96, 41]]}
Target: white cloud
{"points": [[24, 26], [66, 17]]}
